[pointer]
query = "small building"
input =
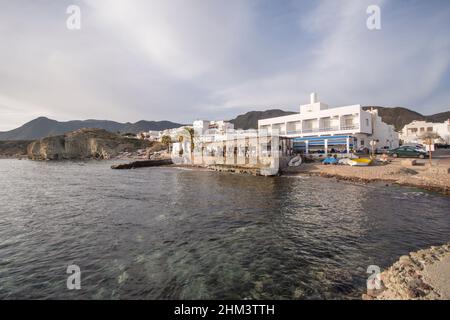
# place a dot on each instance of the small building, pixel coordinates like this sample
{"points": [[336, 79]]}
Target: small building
{"points": [[150, 135], [317, 128], [412, 132], [212, 127]]}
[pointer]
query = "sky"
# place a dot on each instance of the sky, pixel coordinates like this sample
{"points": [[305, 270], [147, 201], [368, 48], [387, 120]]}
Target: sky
{"points": [[182, 60]]}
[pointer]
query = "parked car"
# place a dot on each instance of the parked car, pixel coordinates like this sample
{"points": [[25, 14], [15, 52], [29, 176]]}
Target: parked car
{"points": [[442, 146], [362, 150], [408, 152], [416, 146], [382, 149]]}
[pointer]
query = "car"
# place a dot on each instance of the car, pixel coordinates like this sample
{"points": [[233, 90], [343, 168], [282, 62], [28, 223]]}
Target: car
{"points": [[362, 150], [408, 152], [382, 150], [416, 146], [442, 146]]}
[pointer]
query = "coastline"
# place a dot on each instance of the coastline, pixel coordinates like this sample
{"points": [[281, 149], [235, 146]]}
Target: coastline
{"points": [[421, 275], [435, 178]]}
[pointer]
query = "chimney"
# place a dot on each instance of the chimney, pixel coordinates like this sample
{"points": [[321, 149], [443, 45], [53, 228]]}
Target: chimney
{"points": [[313, 98]]}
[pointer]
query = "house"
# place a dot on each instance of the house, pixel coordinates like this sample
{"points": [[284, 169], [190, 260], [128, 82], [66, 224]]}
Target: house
{"points": [[412, 132], [318, 128], [212, 127]]}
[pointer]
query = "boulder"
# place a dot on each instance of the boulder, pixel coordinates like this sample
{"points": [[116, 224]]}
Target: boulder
{"points": [[408, 162]]}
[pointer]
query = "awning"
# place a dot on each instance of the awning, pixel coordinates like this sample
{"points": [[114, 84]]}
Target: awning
{"points": [[320, 141]]}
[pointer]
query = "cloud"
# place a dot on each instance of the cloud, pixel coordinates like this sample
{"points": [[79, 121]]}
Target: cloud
{"points": [[182, 60]]}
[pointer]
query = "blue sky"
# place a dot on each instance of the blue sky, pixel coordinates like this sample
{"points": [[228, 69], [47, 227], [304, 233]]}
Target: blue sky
{"points": [[183, 59]]}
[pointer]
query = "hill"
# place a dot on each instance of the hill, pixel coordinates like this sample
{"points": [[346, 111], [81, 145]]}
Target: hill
{"points": [[250, 119], [44, 127], [399, 116]]}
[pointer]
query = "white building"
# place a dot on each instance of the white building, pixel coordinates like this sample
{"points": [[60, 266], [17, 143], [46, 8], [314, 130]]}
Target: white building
{"points": [[319, 128], [174, 133], [218, 127], [150, 135], [412, 132]]}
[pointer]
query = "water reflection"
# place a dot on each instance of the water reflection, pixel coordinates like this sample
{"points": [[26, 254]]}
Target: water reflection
{"points": [[177, 234]]}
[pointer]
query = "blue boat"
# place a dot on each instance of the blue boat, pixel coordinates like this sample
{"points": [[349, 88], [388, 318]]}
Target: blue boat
{"points": [[330, 160]]}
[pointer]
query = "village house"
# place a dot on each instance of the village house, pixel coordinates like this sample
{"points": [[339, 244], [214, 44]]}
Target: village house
{"points": [[412, 132]]}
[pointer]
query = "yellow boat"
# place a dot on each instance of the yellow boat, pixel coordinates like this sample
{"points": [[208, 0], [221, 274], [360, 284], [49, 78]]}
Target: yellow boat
{"points": [[359, 162]]}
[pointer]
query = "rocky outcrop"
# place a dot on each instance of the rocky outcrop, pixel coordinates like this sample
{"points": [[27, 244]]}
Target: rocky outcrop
{"points": [[83, 144], [421, 275], [13, 149]]}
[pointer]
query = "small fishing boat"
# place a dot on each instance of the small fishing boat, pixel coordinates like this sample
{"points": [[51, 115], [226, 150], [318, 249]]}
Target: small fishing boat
{"points": [[359, 162], [295, 161], [330, 160]]}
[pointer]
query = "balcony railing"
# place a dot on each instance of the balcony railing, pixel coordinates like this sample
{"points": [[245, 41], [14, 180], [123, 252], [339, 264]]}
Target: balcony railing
{"points": [[350, 127], [335, 128], [320, 130]]}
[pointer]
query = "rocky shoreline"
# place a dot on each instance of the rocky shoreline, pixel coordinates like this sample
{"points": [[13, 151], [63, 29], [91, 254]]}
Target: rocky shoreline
{"points": [[439, 189], [436, 178], [421, 275]]}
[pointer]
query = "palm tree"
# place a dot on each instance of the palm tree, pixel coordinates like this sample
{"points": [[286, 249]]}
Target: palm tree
{"points": [[166, 140], [428, 138], [191, 134]]}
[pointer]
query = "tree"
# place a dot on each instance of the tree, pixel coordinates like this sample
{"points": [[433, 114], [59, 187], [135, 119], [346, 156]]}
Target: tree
{"points": [[429, 138], [191, 132], [166, 140]]}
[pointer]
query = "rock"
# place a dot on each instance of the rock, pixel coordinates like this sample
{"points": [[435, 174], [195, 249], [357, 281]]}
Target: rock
{"points": [[408, 278], [83, 144], [405, 260], [408, 162]]}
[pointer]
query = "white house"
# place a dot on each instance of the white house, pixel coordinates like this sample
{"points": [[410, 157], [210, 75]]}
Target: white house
{"points": [[218, 126], [412, 132], [174, 133], [319, 128]]}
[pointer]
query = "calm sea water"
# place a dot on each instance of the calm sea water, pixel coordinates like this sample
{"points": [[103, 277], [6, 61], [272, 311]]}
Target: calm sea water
{"points": [[167, 233]]}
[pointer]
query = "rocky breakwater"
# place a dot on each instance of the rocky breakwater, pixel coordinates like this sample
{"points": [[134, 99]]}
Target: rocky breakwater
{"points": [[421, 275], [83, 144]]}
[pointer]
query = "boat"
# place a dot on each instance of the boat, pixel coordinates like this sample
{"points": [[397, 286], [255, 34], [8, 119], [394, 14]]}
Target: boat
{"points": [[295, 161], [330, 160], [359, 162]]}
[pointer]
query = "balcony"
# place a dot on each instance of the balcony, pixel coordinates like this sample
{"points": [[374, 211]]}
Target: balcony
{"points": [[335, 128], [320, 130], [350, 127]]}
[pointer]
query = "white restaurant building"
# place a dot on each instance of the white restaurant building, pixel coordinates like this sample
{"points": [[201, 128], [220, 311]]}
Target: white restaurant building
{"points": [[321, 129]]}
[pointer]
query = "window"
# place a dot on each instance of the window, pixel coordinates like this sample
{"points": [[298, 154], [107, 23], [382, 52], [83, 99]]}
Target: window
{"points": [[430, 129], [422, 129], [367, 122], [362, 142]]}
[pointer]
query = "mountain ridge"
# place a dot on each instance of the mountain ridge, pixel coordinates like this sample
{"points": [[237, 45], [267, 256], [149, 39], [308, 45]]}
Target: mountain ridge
{"points": [[42, 126]]}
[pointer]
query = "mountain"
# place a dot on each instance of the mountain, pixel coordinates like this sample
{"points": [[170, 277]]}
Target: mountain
{"points": [[399, 116], [44, 127], [439, 117], [250, 119]]}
